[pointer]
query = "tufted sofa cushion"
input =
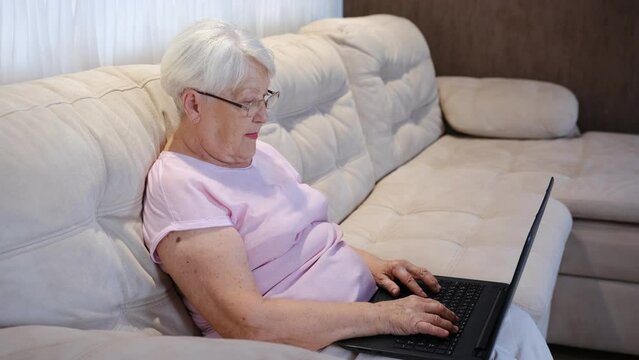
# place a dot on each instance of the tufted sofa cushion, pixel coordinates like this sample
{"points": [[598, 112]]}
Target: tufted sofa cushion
{"points": [[596, 179], [75, 152], [447, 197], [315, 123], [460, 221], [393, 82]]}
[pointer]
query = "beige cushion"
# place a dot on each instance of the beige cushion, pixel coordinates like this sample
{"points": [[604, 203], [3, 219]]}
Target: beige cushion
{"points": [[315, 123], [508, 108], [596, 173], [75, 153], [393, 83], [458, 221], [56, 343]]}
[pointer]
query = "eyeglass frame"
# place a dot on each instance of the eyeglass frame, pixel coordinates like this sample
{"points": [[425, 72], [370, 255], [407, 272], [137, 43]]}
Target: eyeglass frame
{"points": [[246, 107]]}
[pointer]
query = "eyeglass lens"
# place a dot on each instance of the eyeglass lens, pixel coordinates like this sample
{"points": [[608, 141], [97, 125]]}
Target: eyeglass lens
{"points": [[268, 101]]}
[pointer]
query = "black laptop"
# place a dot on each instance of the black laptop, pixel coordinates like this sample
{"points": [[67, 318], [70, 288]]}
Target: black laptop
{"points": [[480, 305]]}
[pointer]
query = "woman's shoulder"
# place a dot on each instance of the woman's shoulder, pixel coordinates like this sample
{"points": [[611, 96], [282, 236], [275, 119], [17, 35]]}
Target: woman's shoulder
{"points": [[169, 160], [171, 168]]}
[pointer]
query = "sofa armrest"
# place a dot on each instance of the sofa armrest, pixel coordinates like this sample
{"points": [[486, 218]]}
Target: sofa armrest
{"points": [[508, 108], [52, 342]]}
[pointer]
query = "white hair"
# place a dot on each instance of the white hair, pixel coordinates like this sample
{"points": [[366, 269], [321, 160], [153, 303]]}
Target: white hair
{"points": [[211, 56]]}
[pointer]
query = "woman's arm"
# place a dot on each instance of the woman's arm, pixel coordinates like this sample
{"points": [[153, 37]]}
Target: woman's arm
{"points": [[211, 269]]}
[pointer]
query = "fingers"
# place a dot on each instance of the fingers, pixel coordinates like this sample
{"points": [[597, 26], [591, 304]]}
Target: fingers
{"points": [[407, 272], [424, 275], [436, 326], [388, 284], [433, 317], [440, 319], [435, 307], [402, 274], [414, 314]]}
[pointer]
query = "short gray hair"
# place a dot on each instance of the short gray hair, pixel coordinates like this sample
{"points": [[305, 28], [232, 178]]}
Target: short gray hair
{"points": [[211, 56]]}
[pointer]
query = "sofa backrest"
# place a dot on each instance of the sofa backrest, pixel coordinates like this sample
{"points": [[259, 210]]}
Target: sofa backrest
{"points": [[393, 83], [315, 124], [76, 149], [74, 153]]}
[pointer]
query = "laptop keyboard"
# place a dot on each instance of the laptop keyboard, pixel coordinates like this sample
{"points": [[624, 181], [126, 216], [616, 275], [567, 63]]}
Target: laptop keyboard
{"points": [[460, 298]]}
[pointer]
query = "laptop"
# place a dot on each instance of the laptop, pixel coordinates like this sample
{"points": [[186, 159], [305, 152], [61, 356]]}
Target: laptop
{"points": [[480, 305]]}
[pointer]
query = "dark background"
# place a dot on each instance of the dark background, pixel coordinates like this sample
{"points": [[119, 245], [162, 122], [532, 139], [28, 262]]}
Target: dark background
{"points": [[588, 46]]}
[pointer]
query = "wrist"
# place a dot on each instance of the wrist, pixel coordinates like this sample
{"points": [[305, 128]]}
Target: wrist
{"points": [[380, 318]]}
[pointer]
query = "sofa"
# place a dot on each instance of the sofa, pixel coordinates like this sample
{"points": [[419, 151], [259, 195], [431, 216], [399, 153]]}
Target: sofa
{"points": [[447, 172]]}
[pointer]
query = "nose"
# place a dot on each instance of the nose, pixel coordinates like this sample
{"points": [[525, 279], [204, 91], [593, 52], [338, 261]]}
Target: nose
{"points": [[261, 116]]}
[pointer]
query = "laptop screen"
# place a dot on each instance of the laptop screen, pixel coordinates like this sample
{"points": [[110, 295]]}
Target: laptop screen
{"points": [[521, 263]]}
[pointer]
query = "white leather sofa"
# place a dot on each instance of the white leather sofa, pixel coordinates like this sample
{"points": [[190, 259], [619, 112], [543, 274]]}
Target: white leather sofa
{"points": [[360, 117]]}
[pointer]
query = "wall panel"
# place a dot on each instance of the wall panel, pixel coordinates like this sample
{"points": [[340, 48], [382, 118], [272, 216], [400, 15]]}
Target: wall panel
{"points": [[589, 46]]}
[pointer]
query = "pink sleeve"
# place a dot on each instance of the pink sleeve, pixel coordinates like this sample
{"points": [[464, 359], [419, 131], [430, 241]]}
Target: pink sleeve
{"points": [[174, 201]]}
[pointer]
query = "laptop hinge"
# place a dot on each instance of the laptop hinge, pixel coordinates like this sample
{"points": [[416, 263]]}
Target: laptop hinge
{"points": [[489, 325]]}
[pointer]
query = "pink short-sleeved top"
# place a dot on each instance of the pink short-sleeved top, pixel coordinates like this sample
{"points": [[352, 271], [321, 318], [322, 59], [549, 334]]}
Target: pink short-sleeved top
{"points": [[292, 250]]}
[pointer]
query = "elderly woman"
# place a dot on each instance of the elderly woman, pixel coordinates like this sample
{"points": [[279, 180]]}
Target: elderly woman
{"points": [[248, 245]]}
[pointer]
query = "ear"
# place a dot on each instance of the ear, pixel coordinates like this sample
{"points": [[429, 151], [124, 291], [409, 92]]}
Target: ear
{"points": [[191, 105]]}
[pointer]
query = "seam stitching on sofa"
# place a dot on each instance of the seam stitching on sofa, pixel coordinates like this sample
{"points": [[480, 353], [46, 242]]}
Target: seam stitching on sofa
{"points": [[48, 239], [107, 210], [71, 230], [154, 299], [140, 86], [599, 278], [52, 346], [455, 260]]}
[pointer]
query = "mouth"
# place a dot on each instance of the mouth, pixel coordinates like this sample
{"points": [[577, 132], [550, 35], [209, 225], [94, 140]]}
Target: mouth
{"points": [[251, 135]]}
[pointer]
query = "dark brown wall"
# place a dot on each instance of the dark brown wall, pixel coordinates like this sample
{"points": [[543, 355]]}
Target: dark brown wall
{"points": [[589, 46]]}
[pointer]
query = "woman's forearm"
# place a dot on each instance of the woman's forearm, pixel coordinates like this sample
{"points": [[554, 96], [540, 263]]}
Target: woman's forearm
{"points": [[309, 324], [371, 260], [314, 325]]}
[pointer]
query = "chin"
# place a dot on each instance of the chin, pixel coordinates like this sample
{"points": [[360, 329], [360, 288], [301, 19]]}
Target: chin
{"points": [[246, 156]]}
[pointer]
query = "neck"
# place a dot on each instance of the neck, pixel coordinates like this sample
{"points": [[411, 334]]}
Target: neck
{"points": [[188, 143]]}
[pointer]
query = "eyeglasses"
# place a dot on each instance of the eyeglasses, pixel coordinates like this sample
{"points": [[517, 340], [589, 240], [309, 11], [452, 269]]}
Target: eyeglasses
{"points": [[270, 98]]}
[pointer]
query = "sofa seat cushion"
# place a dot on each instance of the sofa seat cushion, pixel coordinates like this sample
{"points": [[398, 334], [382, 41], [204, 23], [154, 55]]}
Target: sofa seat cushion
{"points": [[58, 343], [597, 174], [457, 221], [602, 250]]}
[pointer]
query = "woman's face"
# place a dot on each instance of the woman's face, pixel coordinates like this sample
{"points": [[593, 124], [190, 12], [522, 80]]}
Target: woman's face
{"points": [[226, 134]]}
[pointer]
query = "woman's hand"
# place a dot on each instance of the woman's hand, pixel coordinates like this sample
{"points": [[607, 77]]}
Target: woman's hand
{"points": [[387, 272], [417, 315]]}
